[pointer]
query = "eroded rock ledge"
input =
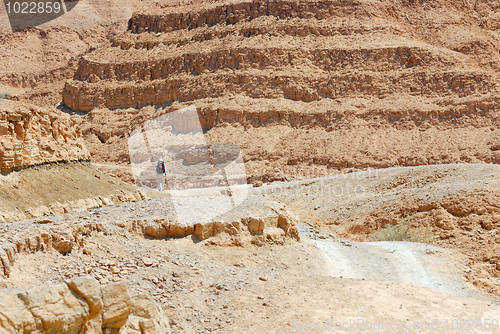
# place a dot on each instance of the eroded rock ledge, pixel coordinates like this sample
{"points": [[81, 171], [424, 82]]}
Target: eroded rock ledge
{"points": [[254, 221], [32, 135]]}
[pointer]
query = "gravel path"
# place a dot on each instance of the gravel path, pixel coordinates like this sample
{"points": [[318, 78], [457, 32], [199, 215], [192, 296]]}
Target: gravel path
{"points": [[424, 265]]}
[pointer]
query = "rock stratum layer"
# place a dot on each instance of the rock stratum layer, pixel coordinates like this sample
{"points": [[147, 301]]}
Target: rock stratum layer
{"points": [[378, 84], [256, 221], [33, 136], [303, 51]]}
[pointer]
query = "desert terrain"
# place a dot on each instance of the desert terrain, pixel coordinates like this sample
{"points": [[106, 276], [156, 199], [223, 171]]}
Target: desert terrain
{"points": [[331, 166]]}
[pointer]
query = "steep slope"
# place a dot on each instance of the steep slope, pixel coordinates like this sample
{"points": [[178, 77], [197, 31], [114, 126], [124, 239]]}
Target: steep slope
{"points": [[45, 168], [304, 87], [303, 51], [35, 63]]}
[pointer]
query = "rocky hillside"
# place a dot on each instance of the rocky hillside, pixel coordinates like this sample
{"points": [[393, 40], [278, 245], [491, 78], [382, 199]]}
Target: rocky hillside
{"points": [[303, 51], [33, 135], [45, 168], [458, 204], [305, 88], [35, 63]]}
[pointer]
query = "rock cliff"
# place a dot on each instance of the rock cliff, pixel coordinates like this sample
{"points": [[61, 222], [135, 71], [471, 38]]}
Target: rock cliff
{"points": [[303, 51], [36, 146], [254, 221], [31, 136], [304, 88]]}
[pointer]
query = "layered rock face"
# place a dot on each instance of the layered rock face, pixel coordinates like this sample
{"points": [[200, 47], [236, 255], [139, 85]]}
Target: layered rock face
{"points": [[303, 51], [31, 135], [80, 305], [379, 84]]}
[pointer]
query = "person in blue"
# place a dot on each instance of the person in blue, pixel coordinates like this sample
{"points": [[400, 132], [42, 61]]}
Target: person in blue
{"points": [[160, 174]]}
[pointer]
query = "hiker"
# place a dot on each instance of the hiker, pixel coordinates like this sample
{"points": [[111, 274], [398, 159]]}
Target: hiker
{"points": [[160, 174]]}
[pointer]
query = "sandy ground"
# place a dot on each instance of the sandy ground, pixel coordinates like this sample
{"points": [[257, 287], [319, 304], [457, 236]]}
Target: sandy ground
{"points": [[271, 288], [414, 263], [458, 203]]}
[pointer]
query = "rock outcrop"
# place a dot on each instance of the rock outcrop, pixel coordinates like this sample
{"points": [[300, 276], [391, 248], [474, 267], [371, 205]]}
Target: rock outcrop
{"points": [[31, 136], [80, 305], [255, 220], [295, 50]]}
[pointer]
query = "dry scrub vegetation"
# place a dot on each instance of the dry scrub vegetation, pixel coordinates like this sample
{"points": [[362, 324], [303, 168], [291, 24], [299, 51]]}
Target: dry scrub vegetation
{"points": [[404, 230]]}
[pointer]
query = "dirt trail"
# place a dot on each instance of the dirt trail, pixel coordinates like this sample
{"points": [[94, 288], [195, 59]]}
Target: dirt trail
{"points": [[419, 264], [265, 288]]}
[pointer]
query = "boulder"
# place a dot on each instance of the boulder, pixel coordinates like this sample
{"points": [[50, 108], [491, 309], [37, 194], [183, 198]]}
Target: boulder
{"points": [[53, 309], [79, 306], [89, 289]]}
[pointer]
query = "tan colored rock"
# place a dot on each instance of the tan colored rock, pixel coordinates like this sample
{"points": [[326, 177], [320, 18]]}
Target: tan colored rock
{"points": [[146, 317], [288, 225], [53, 309], [142, 195], [89, 289], [204, 230], [487, 224], [255, 225], [117, 305], [107, 201], [63, 240], [154, 229], [11, 312], [93, 326], [147, 261], [5, 264], [33, 135], [178, 229], [77, 307]]}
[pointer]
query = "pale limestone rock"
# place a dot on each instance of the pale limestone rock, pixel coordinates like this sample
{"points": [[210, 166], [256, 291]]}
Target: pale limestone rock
{"points": [[179, 229], [4, 264], [146, 317], [93, 326], [256, 225], [89, 289], [142, 194], [31, 135], [62, 240], [11, 312], [154, 229], [54, 309], [117, 305], [204, 230], [107, 201]]}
